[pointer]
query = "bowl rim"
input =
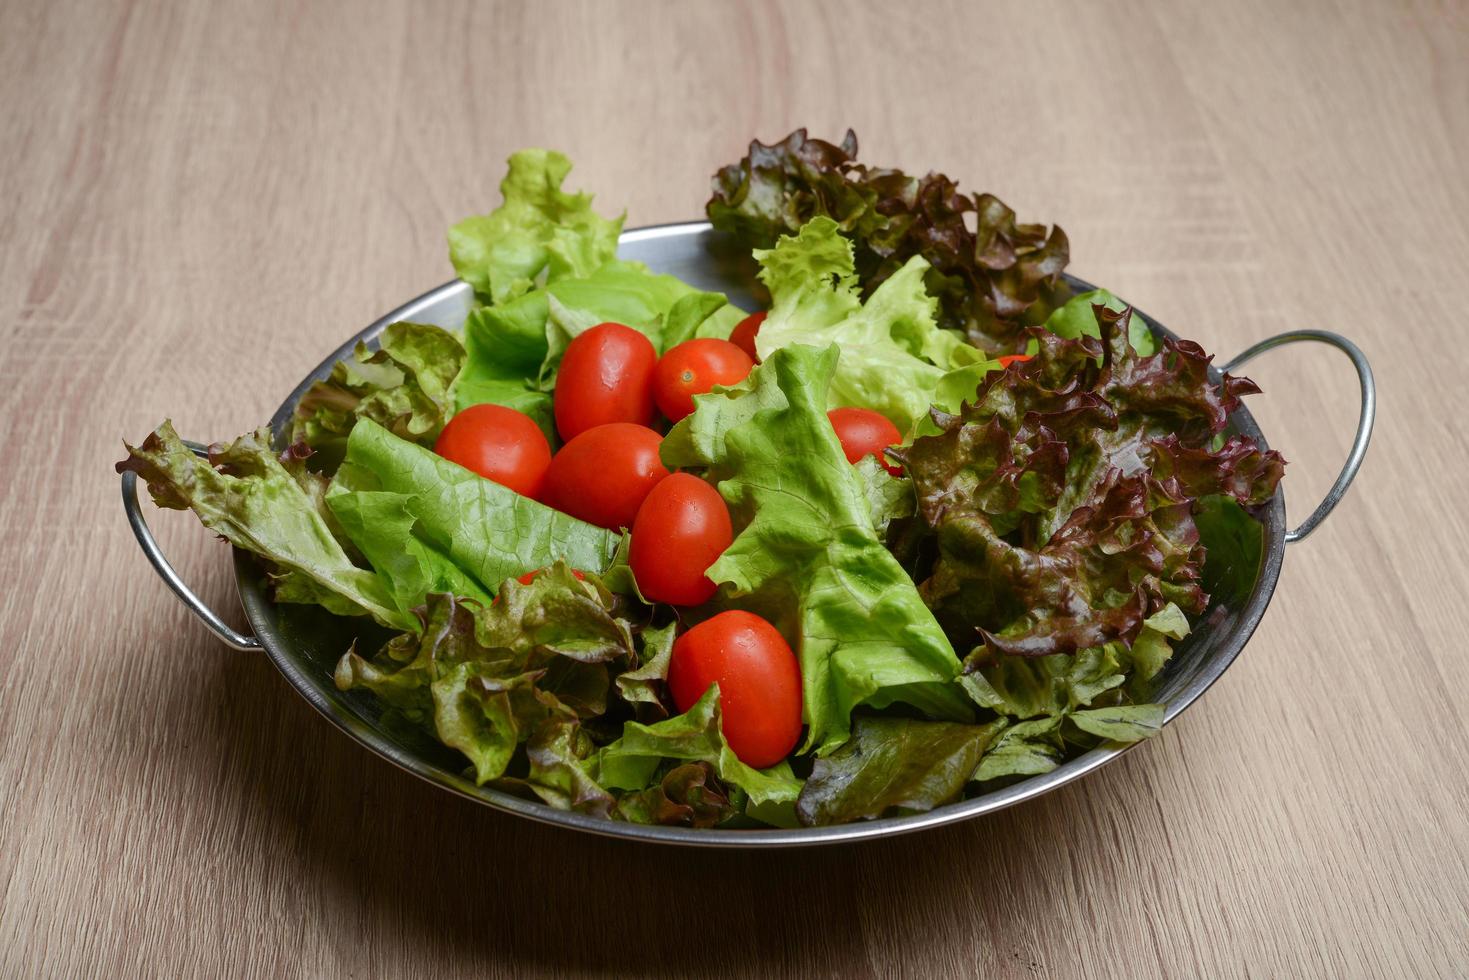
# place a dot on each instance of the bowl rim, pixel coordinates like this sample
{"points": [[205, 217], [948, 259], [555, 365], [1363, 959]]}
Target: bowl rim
{"points": [[277, 648]]}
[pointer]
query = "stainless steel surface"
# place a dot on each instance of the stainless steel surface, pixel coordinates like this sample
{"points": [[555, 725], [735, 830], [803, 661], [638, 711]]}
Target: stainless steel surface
{"points": [[1365, 418], [304, 642], [146, 541]]}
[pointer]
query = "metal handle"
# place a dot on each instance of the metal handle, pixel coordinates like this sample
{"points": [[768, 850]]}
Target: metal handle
{"points": [[1364, 420], [217, 626]]}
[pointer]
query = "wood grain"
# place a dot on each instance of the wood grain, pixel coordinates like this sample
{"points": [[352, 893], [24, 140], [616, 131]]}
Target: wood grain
{"points": [[198, 200]]}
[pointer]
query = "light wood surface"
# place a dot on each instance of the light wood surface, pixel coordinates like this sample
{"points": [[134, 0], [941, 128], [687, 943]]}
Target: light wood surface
{"points": [[199, 200]]}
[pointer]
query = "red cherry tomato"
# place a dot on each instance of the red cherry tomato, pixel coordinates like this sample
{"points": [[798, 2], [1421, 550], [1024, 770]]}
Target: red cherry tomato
{"points": [[499, 444], [863, 432], [682, 527], [1009, 359], [743, 335], [532, 575], [759, 683], [603, 474], [694, 367], [606, 376]]}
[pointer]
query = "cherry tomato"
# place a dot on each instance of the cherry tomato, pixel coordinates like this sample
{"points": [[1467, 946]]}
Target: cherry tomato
{"points": [[602, 475], [743, 335], [863, 432], [1009, 359], [606, 376], [682, 527], [532, 575], [759, 683], [694, 367], [499, 444]]}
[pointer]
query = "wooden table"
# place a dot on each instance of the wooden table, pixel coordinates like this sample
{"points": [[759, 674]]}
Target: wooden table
{"points": [[197, 201]]}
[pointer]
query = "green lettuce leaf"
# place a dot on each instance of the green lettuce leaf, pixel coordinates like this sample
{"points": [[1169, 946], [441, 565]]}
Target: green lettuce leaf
{"points": [[1152, 650], [427, 524], [1027, 687], [689, 795], [633, 761], [700, 314], [894, 356], [1028, 748], [698, 439], [807, 555], [991, 274], [1236, 543], [1121, 722], [645, 686], [406, 386], [486, 677], [893, 764], [557, 754], [1078, 318], [889, 498], [1070, 701], [268, 504], [516, 393], [506, 342], [539, 234]]}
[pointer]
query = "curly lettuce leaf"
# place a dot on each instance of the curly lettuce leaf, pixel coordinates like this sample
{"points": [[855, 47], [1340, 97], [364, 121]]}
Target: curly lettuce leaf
{"points": [[1063, 496], [539, 234], [486, 677], [893, 764], [690, 795], [894, 356], [557, 754], [699, 438], [807, 555], [991, 279], [1075, 699], [1060, 684], [429, 525], [406, 386], [268, 504], [633, 762]]}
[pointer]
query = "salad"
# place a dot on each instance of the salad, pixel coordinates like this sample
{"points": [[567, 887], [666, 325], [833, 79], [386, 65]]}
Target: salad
{"points": [[925, 524]]}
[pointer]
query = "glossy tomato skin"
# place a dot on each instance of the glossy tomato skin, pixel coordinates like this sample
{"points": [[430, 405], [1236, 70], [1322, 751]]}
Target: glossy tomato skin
{"points": [[681, 529], [602, 475], [759, 683], [499, 444], [606, 376], [863, 432], [1009, 359], [743, 335], [693, 368]]}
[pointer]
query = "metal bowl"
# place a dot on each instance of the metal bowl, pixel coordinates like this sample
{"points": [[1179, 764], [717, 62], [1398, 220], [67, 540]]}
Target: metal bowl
{"points": [[304, 642]]}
